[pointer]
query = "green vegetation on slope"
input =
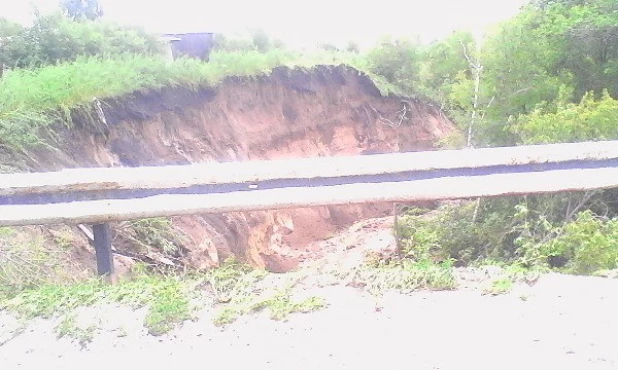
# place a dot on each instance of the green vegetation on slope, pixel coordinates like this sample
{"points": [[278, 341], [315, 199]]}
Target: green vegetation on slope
{"points": [[30, 258], [515, 233], [171, 298], [31, 99], [405, 275], [590, 120], [168, 299]]}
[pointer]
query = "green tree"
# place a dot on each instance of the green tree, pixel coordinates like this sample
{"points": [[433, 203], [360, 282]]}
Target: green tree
{"points": [[81, 9], [54, 38], [451, 73], [398, 61], [551, 50], [590, 39], [253, 39], [352, 47], [442, 63], [261, 40], [230, 44], [550, 74], [589, 120], [520, 72], [12, 43], [327, 46]]}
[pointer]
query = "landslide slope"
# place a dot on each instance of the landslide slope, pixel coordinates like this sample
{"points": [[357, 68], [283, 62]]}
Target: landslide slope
{"points": [[290, 112]]}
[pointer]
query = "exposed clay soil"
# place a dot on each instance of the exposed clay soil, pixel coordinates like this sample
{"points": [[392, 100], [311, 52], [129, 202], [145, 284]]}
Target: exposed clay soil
{"points": [[561, 322], [326, 111]]}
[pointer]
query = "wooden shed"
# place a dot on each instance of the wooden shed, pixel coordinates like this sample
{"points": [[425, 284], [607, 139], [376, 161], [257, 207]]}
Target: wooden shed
{"points": [[196, 45]]}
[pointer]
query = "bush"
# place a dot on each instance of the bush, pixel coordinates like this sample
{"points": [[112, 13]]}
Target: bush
{"points": [[453, 233], [28, 258], [405, 276], [524, 231], [588, 244]]}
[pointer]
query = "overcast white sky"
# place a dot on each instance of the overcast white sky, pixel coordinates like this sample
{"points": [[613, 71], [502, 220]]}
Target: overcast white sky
{"points": [[299, 23]]}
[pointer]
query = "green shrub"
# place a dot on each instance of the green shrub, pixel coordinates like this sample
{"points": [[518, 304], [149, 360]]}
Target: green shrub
{"points": [[499, 286], [588, 244], [525, 231], [453, 233]]}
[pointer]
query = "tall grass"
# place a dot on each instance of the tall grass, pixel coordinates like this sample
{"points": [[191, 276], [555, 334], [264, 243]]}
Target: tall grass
{"points": [[28, 257], [35, 98]]}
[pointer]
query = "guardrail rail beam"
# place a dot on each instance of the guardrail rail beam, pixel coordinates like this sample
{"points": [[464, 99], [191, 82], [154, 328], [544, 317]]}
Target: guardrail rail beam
{"points": [[97, 196]]}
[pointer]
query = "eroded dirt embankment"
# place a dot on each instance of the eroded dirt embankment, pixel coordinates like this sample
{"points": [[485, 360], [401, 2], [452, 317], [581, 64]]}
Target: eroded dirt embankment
{"points": [[327, 111]]}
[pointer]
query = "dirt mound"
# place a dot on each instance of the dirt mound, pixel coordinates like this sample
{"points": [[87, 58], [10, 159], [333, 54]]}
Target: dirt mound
{"points": [[325, 111]]}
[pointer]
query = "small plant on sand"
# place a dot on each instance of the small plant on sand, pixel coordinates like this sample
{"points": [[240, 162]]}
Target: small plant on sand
{"points": [[69, 328], [403, 275], [242, 291], [503, 277], [280, 306], [499, 286], [167, 297]]}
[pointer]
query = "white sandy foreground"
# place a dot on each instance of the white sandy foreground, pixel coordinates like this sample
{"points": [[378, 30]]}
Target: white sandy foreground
{"points": [[562, 322]]}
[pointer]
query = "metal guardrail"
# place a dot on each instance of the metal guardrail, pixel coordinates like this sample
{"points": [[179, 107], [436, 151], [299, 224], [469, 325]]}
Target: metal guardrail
{"points": [[101, 195]]}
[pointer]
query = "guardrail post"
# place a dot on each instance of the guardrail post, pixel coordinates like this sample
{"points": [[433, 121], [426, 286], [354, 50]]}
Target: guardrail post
{"points": [[103, 249]]}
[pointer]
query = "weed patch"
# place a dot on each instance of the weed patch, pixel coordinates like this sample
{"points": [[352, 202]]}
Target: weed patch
{"points": [[170, 299], [69, 328], [280, 306], [167, 297], [155, 233], [234, 281], [499, 286], [27, 260], [404, 276], [49, 300], [498, 278], [242, 291]]}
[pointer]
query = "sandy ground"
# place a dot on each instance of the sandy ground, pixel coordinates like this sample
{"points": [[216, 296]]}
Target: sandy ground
{"points": [[562, 322]]}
